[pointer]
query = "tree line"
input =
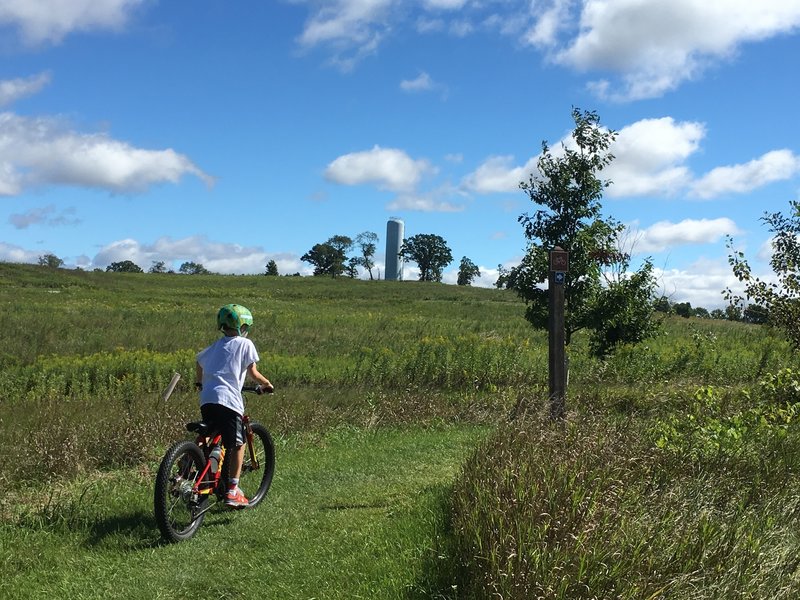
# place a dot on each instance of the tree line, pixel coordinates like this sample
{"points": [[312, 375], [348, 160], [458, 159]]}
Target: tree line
{"points": [[429, 251]]}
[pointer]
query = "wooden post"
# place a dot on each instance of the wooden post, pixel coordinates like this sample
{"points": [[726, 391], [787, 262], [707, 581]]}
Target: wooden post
{"points": [[559, 265]]}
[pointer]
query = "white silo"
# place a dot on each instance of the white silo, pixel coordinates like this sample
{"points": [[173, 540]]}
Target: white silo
{"points": [[394, 241]]}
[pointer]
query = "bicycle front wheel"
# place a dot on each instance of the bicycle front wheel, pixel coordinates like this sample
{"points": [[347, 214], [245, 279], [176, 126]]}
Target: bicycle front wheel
{"points": [[178, 510], [257, 475]]}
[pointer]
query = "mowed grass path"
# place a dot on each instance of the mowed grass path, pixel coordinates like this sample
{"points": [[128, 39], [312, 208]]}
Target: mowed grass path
{"points": [[352, 514]]}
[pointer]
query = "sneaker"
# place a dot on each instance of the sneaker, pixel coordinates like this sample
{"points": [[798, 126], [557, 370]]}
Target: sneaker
{"points": [[235, 499]]}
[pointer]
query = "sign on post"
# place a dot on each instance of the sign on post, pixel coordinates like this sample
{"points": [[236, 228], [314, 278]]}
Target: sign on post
{"points": [[559, 266]]}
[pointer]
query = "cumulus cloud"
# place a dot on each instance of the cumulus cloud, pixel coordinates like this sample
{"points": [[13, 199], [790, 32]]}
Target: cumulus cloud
{"points": [[498, 174], [43, 151], [701, 283], [51, 20], [650, 157], [665, 234], [12, 90], [776, 165], [388, 168], [657, 45], [217, 257]]}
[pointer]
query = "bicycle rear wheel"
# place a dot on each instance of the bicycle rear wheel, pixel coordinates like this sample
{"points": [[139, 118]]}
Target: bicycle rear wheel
{"points": [[256, 476], [178, 511]]}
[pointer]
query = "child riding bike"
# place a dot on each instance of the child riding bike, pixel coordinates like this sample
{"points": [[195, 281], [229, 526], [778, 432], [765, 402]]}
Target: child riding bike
{"points": [[222, 369]]}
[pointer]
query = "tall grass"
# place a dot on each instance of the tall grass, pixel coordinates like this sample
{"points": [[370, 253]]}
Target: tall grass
{"points": [[703, 504]]}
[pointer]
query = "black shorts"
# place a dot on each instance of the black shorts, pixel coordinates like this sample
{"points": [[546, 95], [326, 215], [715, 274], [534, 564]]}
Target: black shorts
{"points": [[226, 421]]}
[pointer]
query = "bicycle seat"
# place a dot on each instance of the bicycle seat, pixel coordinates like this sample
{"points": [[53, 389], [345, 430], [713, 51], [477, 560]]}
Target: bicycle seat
{"points": [[200, 427]]}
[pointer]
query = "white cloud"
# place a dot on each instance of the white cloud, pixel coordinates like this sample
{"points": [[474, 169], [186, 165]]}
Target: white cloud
{"points": [[352, 28], [773, 166], [497, 174], [701, 283], [388, 168], [12, 90], [548, 24], [51, 20], [650, 156], [42, 151], [665, 235], [15, 254], [421, 83], [423, 203], [657, 45]]}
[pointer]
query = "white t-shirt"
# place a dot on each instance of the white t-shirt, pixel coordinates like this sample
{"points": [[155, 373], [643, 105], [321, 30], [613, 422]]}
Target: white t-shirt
{"points": [[224, 365]]}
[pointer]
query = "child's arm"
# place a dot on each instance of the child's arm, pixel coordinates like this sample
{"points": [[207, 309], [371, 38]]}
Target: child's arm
{"points": [[256, 376]]}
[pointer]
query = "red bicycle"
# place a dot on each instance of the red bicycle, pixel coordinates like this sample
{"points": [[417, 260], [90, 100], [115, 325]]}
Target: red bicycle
{"points": [[193, 474]]}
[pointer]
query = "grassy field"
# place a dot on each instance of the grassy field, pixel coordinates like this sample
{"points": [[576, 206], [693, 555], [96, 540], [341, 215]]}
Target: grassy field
{"points": [[413, 457]]}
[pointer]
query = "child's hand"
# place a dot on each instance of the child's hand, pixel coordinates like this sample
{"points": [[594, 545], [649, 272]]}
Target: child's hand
{"points": [[265, 389]]}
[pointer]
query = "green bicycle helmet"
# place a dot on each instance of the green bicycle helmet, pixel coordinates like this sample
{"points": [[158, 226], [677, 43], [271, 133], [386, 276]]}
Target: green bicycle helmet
{"points": [[235, 316]]}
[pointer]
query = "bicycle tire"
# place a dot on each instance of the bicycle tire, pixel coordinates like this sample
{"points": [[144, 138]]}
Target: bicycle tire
{"points": [[254, 482], [177, 513]]}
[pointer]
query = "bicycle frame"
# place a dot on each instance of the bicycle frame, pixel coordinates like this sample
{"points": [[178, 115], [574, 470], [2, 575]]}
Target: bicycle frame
{"points": [[207, 484]]}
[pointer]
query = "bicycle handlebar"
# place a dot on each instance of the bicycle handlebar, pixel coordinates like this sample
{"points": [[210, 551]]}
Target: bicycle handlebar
{"points": [[258, 389]]}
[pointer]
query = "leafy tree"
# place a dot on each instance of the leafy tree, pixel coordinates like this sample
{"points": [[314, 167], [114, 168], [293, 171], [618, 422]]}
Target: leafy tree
{"points": [[159, 266], [683, 309], [598, 287], [663, 305], [733, 312], [192, 268], [124, 266], [774, 302], [431, 254], [623, 312], [467, 271], [330, 257], [367, 243], [718, 313], [51, 261], [272, 269], [351, 269], [702, 313]]}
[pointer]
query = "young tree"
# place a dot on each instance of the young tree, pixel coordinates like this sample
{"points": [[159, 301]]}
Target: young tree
{"points": [[467, 271], [51, 261], [431, 254], [367, 242], [159, 266], [779, 301], [124, 266], [192, 268], [567, 190], [272, 269]]}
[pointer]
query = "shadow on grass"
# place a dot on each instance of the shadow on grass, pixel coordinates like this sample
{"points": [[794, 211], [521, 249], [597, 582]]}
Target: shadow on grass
{"points": [[138, 530], [441, 574]]}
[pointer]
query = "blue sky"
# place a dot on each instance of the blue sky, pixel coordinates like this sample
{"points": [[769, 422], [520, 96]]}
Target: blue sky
{"points": [[233, 133]]}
